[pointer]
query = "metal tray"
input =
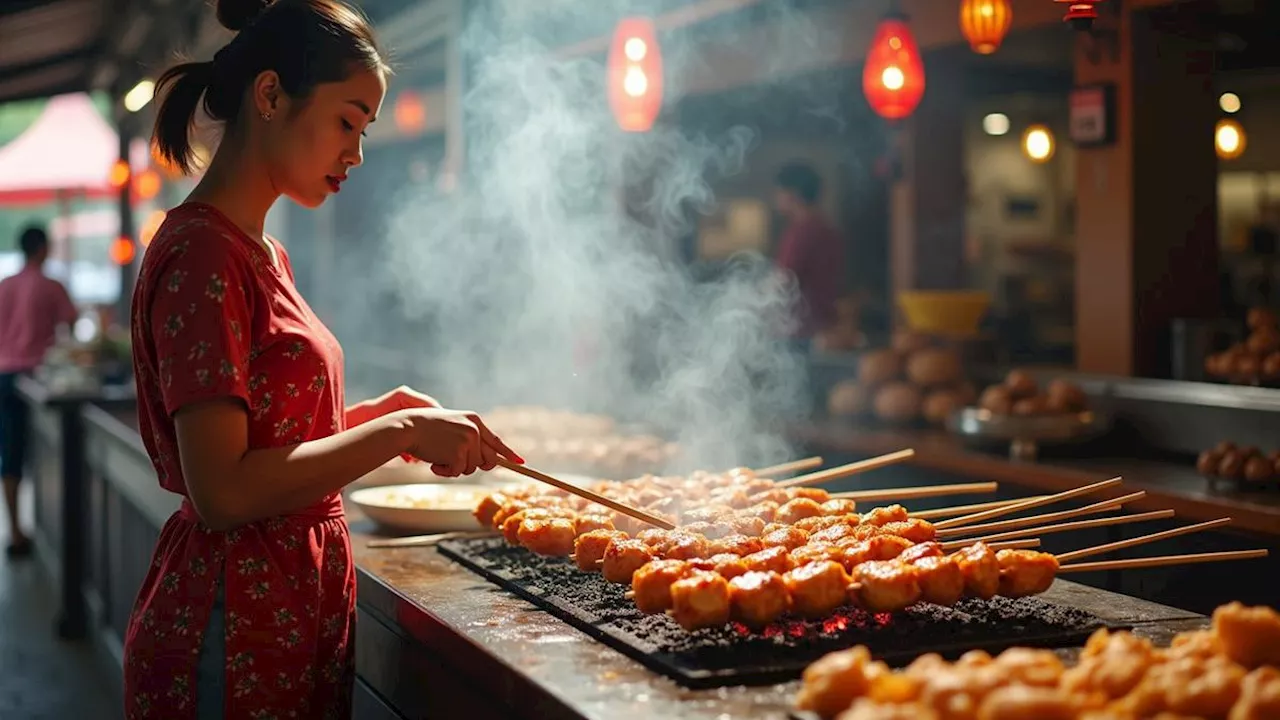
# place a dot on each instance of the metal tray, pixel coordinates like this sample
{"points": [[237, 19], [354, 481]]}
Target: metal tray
{"points": [[1025, 433]]}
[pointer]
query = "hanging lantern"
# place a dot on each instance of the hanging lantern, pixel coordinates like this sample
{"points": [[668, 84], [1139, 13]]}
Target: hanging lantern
{"points": [[1228, 139], [635, 75], [121, 251], [118, 175], [1080, 13], [1038, 143], [147, 185], [985, 23], [893, 77], [410, 113]]}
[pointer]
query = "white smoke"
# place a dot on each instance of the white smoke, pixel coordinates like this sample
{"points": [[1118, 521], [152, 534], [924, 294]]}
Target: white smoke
{"points": [[544, 284]]}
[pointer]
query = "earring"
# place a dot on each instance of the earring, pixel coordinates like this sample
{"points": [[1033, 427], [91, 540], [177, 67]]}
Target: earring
{"points": [[266, 117]]}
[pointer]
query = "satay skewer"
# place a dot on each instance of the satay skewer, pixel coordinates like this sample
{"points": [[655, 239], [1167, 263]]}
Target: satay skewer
{"points": [[955, 510], [1028, 504], [1024, 544], [1002, 525], [1163, 560], [1075, 525], [1132, 542], [912, 493], [787, 468], [840, 471], [594, 497]]}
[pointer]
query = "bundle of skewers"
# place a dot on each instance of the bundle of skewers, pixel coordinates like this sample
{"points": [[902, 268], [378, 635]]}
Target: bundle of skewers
{"points": [[1231, 671], [749, 549]]}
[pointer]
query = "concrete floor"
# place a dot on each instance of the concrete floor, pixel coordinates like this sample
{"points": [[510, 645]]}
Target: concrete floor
{"points": [[42, 677]]}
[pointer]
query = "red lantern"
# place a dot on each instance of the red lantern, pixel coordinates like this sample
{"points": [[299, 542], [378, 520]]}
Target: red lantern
{"points": [[985, 23], [893, 77], [635, 75], [1080, 13]]}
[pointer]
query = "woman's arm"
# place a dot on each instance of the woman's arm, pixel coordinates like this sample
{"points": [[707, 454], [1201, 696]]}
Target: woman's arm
{"points": [[402, 398], [231, 485]]}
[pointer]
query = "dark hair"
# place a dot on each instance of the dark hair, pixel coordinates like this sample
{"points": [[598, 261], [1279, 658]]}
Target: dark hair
{"points": [[32, 241], [307, 42], [801, 180]]}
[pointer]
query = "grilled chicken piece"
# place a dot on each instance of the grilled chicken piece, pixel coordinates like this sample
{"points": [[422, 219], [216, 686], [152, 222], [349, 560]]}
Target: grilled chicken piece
{"points": [[748, 525], [758, 598], [836, 680], [548, 536], [840, 507], [623, 558], [489, 506], [785, 536], [817, 588], [886, 514], [913, 529], [921, 550], [775, 559], [818, 522], [941, 581], [885, 585], [798, 509], [593, 521], [817, 495], [815, 551], [981, 570], [1020, 702], [1025, 572], [589, 547], [684, 546], [765, 510], [511, 525], [700, 600], [651, 584], [833, 533], [877, 547], [736, 544]]}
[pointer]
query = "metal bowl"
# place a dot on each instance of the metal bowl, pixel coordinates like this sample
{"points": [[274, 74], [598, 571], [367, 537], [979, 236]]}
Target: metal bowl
{"points": [[1025, 433]]}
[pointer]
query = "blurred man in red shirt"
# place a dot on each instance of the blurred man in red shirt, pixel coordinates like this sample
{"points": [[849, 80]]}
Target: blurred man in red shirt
{"points": [[32, 306], [811, 249]]}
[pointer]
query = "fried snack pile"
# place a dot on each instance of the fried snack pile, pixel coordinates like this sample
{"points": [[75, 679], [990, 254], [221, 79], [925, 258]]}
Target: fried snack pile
{"points": [[1228, 672], [744, 557]]}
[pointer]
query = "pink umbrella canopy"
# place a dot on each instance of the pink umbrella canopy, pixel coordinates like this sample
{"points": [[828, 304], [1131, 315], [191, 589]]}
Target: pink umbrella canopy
{"points": [[69, 148]]}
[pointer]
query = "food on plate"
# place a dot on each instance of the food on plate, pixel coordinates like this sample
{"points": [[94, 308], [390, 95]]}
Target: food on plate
{"points": [[1227, 461], [1257, 359], [1019, 394]]}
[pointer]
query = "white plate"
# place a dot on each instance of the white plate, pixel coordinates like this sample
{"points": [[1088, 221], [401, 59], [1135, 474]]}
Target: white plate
{"points": [[422, 507], [399, 472]]}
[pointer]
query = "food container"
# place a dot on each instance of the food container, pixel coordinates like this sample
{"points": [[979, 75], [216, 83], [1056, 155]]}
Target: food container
{"points": [[1025, 433], [950, 313]]}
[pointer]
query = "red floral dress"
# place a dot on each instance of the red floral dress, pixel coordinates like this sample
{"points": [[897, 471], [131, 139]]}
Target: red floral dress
{"points": [[214, 316]]}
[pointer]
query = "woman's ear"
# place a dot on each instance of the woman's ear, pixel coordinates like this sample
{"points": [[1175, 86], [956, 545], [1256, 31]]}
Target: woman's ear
{"points": [[268, 96]]}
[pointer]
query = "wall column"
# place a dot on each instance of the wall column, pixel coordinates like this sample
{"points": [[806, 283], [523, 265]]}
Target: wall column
{"points": [[929, 200], [1146, 232]]}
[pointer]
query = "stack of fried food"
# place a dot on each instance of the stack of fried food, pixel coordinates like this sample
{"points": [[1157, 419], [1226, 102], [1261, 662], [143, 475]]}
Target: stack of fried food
{"points": [[750, 551], [1228, 672]]}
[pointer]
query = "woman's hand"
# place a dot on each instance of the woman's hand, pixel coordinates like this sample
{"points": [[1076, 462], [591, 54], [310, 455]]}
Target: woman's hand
{"points": [[402, 398], [455, 442]]}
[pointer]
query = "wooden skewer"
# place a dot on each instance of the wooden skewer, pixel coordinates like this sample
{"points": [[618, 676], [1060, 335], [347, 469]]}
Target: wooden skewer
{"points": [[909, 493], [423, 540], [1077, 525], [623, 508], [1122, 544], [963, 509], [1002, 525], [846, 470], [1010, 545], [1162, 560], [787, 468], [1028, 504]]}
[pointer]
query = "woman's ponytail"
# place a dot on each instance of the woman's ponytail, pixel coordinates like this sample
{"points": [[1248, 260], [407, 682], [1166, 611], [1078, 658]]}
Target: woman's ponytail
{"points": [[181, 88]]}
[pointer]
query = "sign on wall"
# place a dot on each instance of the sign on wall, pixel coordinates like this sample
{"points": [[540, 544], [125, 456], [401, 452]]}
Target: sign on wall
{"points": [[1092, 115]]}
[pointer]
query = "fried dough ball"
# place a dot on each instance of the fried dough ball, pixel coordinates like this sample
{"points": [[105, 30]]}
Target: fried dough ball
{"points": [[553, 537], [774, 559], [830, 685], [758, 598], [1249, 635], [651, 584], [817, 588], [623, 558], [700, 600], [589, 548], [1021, 702]]}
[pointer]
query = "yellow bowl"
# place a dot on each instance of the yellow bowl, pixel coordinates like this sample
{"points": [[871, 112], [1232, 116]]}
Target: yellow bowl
{"points": [[956, 313]]}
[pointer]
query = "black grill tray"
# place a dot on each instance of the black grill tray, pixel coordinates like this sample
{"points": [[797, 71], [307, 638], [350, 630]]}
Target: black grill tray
{"points": [[717, 657]]}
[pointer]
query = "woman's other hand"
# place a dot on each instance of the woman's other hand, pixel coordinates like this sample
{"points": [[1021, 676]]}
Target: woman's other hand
{"points": [[455, 442]]}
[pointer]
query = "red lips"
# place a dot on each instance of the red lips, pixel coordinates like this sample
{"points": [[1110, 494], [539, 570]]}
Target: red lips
{"points": [[335, 181]]}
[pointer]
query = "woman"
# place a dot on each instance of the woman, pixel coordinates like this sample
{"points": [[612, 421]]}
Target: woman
{"points": [[247, 611]]}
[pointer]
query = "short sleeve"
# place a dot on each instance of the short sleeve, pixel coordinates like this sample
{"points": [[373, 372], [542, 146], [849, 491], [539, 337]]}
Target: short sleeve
{"points": [[200, 321], [67, 312]]}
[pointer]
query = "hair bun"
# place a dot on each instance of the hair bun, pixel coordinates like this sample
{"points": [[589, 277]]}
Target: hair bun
{"points": [[235, 15]]}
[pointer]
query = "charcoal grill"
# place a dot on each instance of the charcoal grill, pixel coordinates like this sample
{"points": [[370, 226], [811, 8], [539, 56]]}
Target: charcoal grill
{"points": [[732, 655]]}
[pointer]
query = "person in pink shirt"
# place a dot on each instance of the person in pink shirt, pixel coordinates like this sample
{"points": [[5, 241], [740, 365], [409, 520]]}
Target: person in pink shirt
{"points": [[32, 306], [811, 249]]}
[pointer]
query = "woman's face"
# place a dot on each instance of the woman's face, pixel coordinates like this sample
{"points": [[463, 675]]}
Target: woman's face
{"points": [[310, 147]]}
